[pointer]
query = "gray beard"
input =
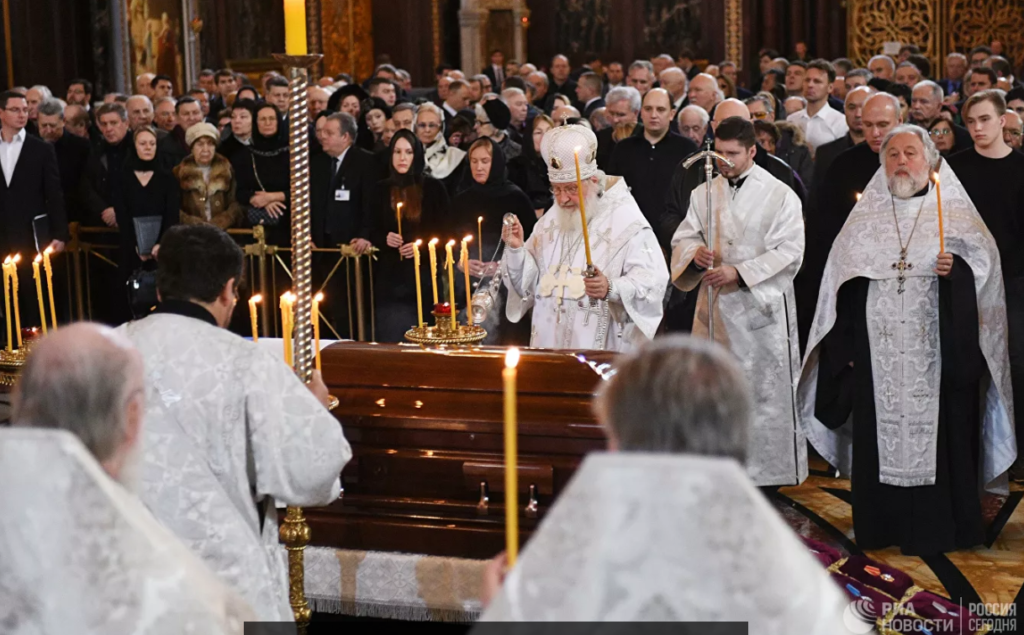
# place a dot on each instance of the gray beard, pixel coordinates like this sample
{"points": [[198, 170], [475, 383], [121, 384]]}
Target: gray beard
{"points": [[904, 187], [569, 223]]}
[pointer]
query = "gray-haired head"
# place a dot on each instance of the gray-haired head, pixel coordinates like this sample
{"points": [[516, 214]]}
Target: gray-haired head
{"points": [[937, 93], [764, 99], [44, 91], [346, 124], [643, 408], [645, 65], [884, 58], [904, 186], [697, 111], [624, 93], [51, 107], [83, 378]]}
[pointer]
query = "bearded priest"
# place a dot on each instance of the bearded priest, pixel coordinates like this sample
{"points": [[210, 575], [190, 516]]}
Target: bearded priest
{"points": [[758, 246], [620, 306], [906, 383]]}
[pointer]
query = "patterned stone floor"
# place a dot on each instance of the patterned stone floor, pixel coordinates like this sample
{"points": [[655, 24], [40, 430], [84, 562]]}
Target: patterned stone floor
{"points": [[993, 573]]}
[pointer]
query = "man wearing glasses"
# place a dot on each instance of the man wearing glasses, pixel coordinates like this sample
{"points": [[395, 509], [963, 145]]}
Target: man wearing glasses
{"points": [[30, 196], [1012, 130]]}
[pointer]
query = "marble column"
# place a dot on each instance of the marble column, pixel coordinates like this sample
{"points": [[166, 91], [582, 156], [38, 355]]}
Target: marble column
{"points": [[471, 23], [520, 14]]}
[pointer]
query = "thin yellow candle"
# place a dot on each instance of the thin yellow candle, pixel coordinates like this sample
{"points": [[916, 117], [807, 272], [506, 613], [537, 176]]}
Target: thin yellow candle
{"points": [[450, 263], [316, 326], [295, 27], [480, 237], [39, 290], [286, 335], [291, 329], [464, 259], [7, 301], [511, 458], [938, 195], [398, 215], [49, 284], [419, 290], [583, 211], [253, 301], [431, 247], [14, 293]]}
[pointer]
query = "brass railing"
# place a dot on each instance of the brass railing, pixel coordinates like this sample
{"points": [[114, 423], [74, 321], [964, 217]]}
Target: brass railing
{"points": [[263, 263]]}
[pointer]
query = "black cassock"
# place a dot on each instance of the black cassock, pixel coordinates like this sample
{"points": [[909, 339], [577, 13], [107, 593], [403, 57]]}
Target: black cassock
{"points": [[927, 519]]}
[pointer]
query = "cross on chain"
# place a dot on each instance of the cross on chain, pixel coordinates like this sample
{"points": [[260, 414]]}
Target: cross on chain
{"points": [[902, 267], [588, 307]]}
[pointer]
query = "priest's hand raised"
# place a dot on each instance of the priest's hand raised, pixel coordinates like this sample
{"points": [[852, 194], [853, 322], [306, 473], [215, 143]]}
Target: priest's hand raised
{"points": [[597, 287], [704, 258], [512, 235], [944, 265], [722, 276]]}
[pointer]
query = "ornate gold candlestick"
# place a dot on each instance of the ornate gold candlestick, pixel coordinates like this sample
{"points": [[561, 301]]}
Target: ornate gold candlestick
{"points": [[442, 331], [294, 531]]}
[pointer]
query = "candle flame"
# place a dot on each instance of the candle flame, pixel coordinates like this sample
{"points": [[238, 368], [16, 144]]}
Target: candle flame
{"points": [[468, 238], [577, 149], [418, 242], [319, 297], [7, 260], [479, 218], [935, 177], [450, 242], [38, 258], [48, 250], [17, 258], [512, 357], [434, 241], [858, 195], [400, 205]]}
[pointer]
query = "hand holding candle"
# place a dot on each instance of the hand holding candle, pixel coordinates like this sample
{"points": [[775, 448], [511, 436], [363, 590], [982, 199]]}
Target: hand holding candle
{"points": [[450, 263], [39, 290], [419, 290], [511, 458], [253, 301], [431, 246]]}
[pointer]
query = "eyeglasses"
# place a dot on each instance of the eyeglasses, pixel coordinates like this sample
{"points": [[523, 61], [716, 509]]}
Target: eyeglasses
{"points": [[938, 132], [428, 126], [17, 111], [1013, 133], [571, 190], [483, 122], [760, 115]]}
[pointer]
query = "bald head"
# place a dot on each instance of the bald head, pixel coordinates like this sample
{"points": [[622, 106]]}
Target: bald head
{"points": [[560, 114], [656, 113], [730, 108], [854, 107], [673, 79], [881, 114], [89, 380], [704, 91]]}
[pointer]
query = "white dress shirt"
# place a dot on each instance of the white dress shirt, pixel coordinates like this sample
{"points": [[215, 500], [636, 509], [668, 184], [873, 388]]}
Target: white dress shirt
{"points": [[9, 153], [448, 109], [828, 124]]}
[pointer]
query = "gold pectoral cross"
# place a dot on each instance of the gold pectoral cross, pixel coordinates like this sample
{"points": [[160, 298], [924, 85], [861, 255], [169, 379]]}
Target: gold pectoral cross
{"points": [[901, 267]]}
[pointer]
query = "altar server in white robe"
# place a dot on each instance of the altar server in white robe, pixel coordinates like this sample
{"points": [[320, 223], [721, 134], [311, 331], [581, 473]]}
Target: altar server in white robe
{"points": [[758, 230], [620, 307], [230, 432], [79, 552]]}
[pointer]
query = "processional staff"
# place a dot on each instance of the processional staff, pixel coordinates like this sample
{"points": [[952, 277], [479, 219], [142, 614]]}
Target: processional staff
{"points": [[709, 156]]}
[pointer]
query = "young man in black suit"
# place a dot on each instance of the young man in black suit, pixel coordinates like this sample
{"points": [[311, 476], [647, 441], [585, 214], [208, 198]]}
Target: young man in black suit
{"points": [[30, 188], [342, 181]]}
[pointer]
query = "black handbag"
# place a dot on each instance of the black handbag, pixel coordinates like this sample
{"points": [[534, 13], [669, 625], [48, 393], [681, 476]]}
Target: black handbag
{"points": [[258, 215]]}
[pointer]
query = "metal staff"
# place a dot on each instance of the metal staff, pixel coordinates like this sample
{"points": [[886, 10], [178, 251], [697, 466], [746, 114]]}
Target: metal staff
{"points": [[709, 156]]}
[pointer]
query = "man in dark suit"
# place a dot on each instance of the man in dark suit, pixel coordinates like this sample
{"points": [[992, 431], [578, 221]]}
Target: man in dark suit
{"points": [[561, 84], [342, 182], [30, 188], [588, 91], [72, 153], [496, 71]]}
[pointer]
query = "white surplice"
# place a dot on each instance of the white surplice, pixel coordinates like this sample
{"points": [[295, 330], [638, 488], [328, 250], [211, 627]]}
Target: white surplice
{"points": [[546, 275], [81, 554], [229, 426], [759, 230]]}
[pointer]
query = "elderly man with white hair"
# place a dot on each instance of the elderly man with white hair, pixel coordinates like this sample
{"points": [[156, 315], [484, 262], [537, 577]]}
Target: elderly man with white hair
{"points": [[704, 92], [906, 384], [616, 304], [82, 544], [622, 107], [693, 123]]}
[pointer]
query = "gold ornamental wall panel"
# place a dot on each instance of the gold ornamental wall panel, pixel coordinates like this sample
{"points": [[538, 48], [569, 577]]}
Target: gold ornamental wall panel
{"points": [[347, 37], [939, 27]]}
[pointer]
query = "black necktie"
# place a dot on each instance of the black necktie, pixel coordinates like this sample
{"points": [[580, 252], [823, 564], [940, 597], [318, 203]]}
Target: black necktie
{"points": [[737, 183], [334, 167]]}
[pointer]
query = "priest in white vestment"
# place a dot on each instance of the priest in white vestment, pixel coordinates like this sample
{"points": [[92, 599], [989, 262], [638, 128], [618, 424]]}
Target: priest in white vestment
{"points": [[758, 230], [81, 554], [617, 309], [906, 382], [230, 432], [653, 538]]}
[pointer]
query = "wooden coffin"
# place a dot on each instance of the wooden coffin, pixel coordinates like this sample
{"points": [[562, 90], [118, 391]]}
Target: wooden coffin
{"points": [[427, 473]]}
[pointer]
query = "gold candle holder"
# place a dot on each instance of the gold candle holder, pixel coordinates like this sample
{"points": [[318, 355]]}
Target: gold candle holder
{"points": [[443, 333]]}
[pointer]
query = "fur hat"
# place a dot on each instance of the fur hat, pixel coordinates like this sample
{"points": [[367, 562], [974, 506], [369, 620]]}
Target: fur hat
{"points": [[200, 130]]}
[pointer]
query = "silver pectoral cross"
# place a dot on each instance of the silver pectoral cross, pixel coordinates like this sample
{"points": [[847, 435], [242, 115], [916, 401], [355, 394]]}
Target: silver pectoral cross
{"points": [[902, 266]]}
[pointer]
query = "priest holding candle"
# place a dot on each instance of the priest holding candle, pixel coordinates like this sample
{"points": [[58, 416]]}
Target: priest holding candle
{"points": [[906, 381], [619, 306]]}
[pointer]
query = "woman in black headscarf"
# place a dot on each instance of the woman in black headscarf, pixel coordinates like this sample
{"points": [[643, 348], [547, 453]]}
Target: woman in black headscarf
{"points": [[425, 215], [528, 170], [147, 189], [264, 187], [486, 192]]}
